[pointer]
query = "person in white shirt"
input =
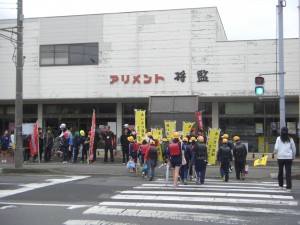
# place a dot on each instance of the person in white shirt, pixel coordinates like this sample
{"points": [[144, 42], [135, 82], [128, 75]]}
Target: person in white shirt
{"points": [[286, 151]]}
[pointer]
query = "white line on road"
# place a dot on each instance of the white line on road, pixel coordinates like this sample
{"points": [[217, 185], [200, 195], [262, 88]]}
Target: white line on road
{"points": [[94, 222], [201, 207], [205, 199], [69, 206], [218, 194], [33, 186], [206, 188], [173, 215]]}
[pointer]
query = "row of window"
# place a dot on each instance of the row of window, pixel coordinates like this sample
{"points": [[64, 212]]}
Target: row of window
{"points": [[127, 108], [69, 54]]}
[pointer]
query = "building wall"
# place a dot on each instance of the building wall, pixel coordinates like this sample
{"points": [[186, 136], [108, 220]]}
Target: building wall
{"points": [[145, 44]]}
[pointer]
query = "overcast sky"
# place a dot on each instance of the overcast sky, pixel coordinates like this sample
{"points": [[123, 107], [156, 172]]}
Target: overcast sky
{"points": [[242, 19]]}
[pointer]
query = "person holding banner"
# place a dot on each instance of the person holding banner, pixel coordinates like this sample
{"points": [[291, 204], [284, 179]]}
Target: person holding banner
{"points": [[224, 157], [286, 152], [175, 155]]}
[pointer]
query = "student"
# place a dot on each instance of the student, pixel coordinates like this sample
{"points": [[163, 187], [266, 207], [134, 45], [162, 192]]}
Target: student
{"points": [[224, 157], [151, 159], [200, 150]]}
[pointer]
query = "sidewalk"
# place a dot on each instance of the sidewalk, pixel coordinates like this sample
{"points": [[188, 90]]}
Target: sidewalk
{"points": [[119, 169]]}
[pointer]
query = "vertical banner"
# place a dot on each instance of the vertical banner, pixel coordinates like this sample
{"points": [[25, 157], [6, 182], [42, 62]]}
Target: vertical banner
{"points": [[158, 134], [92, 140], [34, 141], [199, 120], [140, 124], [213, 146], [186, 127], [170, 127]]}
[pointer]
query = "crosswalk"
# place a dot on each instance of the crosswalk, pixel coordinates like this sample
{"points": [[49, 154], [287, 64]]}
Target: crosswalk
{"points": [[214, 202]]}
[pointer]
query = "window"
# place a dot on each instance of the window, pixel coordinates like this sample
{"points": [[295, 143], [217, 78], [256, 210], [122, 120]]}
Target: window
{"points": [[69, 54], [30, 109]]}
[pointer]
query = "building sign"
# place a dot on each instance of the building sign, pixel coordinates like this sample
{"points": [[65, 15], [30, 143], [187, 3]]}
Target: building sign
{"points": [[202, 76], [136, 79]]}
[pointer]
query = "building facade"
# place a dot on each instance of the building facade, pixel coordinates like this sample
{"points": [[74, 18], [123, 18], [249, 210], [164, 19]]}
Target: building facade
{"points": [[115, 63]]}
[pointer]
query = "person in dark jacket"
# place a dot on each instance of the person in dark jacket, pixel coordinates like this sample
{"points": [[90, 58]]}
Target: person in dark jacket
{"points": [[224, 156], [85, 142], [96, 140], [200, 151], [240, 155], [109, 139], [184, 169], [125, 145], [76, 146], [26, 148], [4, 141], [48, 143]]}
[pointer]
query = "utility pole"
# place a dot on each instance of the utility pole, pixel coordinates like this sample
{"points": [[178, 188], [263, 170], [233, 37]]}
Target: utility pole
{"points": [[19, 88], [281, 63]]}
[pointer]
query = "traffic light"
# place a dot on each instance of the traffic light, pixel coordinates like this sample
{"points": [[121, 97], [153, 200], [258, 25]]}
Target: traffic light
{"points": [[259, 85]]}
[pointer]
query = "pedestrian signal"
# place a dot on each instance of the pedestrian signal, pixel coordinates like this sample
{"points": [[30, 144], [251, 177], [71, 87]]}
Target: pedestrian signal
{"points": [[259, 88]]}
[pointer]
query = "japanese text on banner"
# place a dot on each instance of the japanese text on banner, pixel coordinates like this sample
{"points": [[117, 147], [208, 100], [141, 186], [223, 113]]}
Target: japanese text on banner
{"points": [[140, 123], [170, 127], [157, 134], [213, 146]]}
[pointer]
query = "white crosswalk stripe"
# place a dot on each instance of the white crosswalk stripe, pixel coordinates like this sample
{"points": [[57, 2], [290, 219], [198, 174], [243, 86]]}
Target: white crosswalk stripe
{"points": [[213, 202]]}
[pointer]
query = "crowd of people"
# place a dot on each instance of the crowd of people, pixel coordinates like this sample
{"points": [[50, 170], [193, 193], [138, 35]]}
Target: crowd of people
{"points": [[187, 155]]}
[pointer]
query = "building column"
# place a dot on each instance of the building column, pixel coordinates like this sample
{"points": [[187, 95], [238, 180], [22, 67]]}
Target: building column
{"points": [[40, 115], [119, 123], [215, 115]]}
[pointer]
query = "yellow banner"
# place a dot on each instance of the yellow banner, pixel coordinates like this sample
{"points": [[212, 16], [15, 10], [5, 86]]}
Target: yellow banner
{"points": [[140, 124], [213, 146], [261, 162], [263, 144], [158, 134], [186, 127], [170, 127]]}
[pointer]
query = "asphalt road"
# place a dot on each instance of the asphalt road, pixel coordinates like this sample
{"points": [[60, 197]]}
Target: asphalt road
{"points": [[100, 199]]}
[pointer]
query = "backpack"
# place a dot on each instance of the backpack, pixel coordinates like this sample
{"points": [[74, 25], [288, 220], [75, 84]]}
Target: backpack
{"points": [[153, 153], [200, 151]]}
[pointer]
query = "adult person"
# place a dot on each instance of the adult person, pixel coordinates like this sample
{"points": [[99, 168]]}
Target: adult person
{"points": [[70, 152], [175, 156], [26, 148], [96, 140], [151, 159], [286, 151], [48, 143], [4, 140], [109, 140], [240, 155], [125, 144], [41, 145], [224, 157], [200, 150]]}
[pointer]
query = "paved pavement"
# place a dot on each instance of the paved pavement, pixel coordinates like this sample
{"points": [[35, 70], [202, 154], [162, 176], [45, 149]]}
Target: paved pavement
{"points": [[119, 169]]}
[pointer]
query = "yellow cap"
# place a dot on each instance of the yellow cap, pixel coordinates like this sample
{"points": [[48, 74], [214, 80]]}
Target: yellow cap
{"points": [[236, 138], [225, 141], [165, 139], [185, 139], [200, 139], [149, 134], [130, 139], [152, 142], [82, 133], [225, 136], [176, 135], [192, 139]]}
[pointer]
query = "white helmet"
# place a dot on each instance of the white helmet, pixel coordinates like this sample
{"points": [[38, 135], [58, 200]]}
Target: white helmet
{"points": [[62, 126]]}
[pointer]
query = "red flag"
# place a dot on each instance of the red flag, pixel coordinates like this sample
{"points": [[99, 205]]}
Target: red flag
{"points": [[34, 142], [93, 130], [199, 120]]}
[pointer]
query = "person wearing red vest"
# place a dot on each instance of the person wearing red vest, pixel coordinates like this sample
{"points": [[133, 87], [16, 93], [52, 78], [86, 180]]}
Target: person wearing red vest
{"points": [[175, 156], [142, 150], [151, 159]]}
